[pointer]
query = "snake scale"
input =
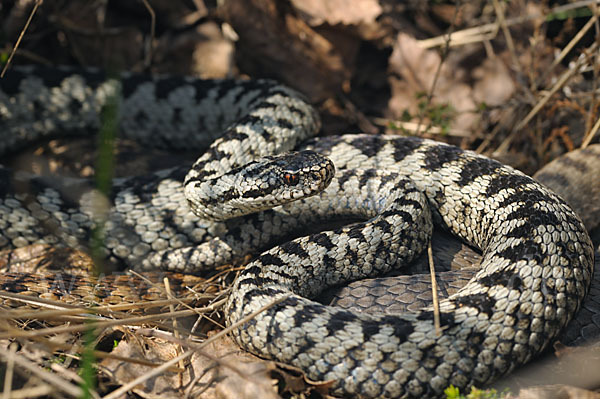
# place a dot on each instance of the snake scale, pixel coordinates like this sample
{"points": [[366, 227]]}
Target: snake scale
{"points": [[537, 256]]}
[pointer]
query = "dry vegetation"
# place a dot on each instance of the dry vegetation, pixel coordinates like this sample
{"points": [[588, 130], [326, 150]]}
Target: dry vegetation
{"points": [[515, 80]]}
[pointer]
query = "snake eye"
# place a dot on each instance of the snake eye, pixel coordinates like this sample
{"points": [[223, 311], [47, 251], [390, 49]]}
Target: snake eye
{"points": [[290, 179]]}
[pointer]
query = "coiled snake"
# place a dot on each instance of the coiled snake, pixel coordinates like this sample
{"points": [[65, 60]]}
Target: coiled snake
{"points": [[537, 256]]}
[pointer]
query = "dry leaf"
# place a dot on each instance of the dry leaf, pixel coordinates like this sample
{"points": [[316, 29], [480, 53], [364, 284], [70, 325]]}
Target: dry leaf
{"points": [[226, 373], [493, 83], [333, 12], [418, 67]]}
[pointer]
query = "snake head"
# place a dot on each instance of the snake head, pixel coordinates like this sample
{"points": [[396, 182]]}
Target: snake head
{"points": [[261, 185], [279, 179]]}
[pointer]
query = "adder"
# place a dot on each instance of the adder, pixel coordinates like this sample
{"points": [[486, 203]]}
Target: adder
{"points": [[535, 271]]}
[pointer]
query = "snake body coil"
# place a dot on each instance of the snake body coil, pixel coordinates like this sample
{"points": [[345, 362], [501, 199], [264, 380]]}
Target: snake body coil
{"points": [[537, 256]]}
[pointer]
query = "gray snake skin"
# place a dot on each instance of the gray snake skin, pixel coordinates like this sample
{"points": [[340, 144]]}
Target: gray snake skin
{"points": [[537, 256]]}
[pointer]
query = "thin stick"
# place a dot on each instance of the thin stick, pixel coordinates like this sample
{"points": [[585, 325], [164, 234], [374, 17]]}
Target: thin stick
{"points": [[489, 31], [33, 392], [10, 368], [161, 288], [569, 46], [60, 309], [174, 320], [471, 35], [413, 126], [594, 100], [438, 71], [149, 50], [591, 134], [559, 84], [436, 303], [507, 36], [109, 323], [21, 35]]}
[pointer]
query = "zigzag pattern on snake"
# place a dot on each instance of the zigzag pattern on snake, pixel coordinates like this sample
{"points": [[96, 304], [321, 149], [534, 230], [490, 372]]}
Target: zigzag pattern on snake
{"points": [[537, 256]]}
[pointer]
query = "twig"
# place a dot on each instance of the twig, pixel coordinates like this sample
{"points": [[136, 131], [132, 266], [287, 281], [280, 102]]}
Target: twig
{"points": [[192, 345], [436, 303], [110, 323], [507, 36], [594, 100], [569, 46], [8, 375], [471, 35], [413, 126], [33, 392], [559, 84], [149, 49], [591, 134], [60, 309], [21, 35], [363, 122], [489, 31], [174, 320], [439, 67]]}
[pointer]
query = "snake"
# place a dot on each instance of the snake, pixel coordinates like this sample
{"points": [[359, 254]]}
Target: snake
{"points": [[573, 176], [537, 257]]}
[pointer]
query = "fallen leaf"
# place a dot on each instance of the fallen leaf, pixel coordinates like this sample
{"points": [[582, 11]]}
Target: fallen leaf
{"points": [[417, 67], [333, 12], [221, 370]]}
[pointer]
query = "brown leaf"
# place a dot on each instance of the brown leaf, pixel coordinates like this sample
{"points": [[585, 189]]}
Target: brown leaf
{"points": [[221, 370], [333, 12], [239, 374], [493, 85], [418, 67]]}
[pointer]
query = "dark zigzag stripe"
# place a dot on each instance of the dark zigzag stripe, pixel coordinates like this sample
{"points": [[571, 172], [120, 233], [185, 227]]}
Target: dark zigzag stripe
{"points": [[251, 120], [505, 181], [477, 167], [255, 271], [482, 302], [259, 192], [294, 248], [367, 145], [367, 175], [525, 250], [323, 240], [163, 87], [530, 222], [437, 156], [446, 319], [407, 147], [402, 328], [501, 277]]}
